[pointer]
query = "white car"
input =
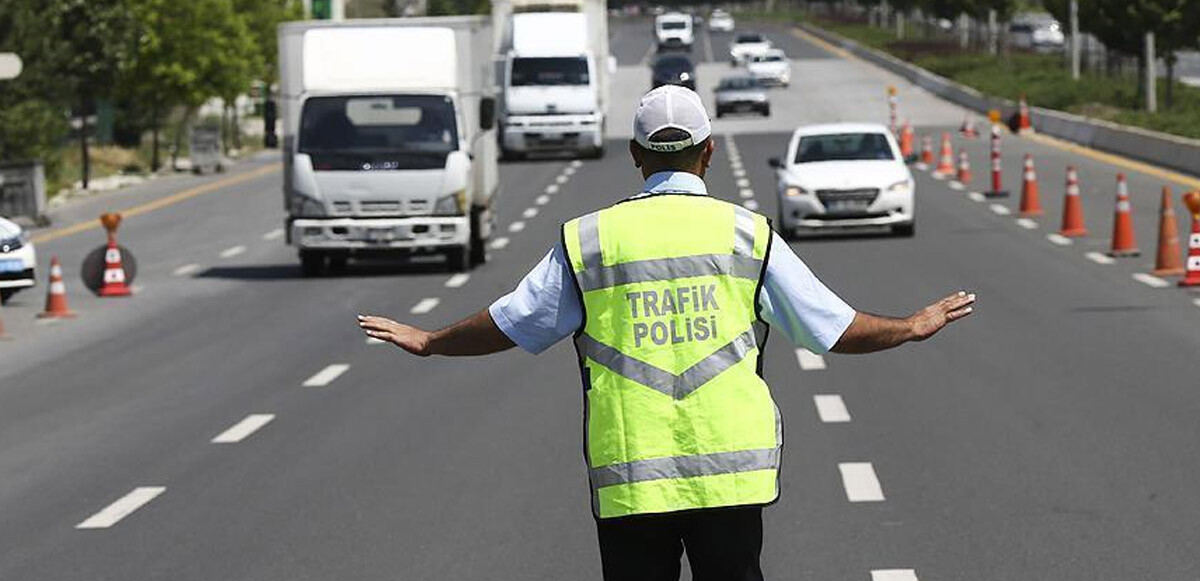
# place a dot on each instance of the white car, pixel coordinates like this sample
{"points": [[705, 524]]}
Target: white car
{"points": [[720, 21], [746, 45], [18, 260], [771, 68], [844, 175], [673, 31]]}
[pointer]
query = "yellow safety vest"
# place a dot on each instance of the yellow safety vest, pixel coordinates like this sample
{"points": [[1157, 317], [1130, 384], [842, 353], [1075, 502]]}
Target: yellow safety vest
{"points": [[677, 414]]}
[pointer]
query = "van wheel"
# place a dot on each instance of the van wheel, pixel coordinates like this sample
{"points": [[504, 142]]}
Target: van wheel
{"points": [[312, 263], [458, 259]]}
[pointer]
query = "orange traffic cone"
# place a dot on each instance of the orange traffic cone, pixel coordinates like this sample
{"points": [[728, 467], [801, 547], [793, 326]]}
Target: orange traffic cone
{"points": [[1024, 122], [964, 168], [1031, 204], [56, 297], [114, 272], [906, 141], [1169, 261], [927, 150], [945, 165], [967, 130], [1124, 243], [1192, 278], [1072, 221]]}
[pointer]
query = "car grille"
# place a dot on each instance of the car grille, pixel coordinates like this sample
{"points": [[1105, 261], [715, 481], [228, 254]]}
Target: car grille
{"points": [[864, 195]]}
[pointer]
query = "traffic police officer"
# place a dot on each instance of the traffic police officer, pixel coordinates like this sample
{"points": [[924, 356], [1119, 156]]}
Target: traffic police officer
{"points": [[668, 295]]}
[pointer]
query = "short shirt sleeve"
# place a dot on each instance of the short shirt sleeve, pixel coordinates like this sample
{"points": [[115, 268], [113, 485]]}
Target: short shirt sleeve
{"points": [[798, 304], [544, 308]]}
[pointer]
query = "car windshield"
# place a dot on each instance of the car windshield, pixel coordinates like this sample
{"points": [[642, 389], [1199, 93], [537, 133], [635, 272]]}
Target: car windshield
{"points": [[771, 58], [738, 83], [748, 38], [394, 131], [544, 71], [843, 147], [673, 25]]}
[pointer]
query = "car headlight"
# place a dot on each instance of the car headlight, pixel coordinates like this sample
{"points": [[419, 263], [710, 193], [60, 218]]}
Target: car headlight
{"points": [[684, 76], [307, 207], [793, 191], [13, 243], [900, 187], [452, 205]]}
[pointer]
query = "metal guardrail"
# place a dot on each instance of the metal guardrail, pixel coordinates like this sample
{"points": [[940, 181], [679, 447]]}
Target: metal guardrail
{"points": [[1161, 149]]}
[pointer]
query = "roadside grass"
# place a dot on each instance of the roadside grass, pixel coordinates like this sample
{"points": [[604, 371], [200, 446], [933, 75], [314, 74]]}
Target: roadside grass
{"points": [[1041, 77]]}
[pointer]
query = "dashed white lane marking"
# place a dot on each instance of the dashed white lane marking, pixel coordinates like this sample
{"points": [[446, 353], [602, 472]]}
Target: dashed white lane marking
{"points": [[552, 189], [809, 361], [233, 251], [121, 508], [1099, 258], [860, 482], [1027, 224], [458, 280], [529, 213], [562, 179], [425, 305], [941, 177], [374, 341], [516, 226], [542, 200], [575, 163], [273, 234], [921, 166], [326, 376], [1058, 239], [736, 163], [750, 205], [746, 193], [569, 171], [499, 243], [1150, 280], [976, 196], [831, 409], [743, 183], [243, 429], [894, 575], [999, 209], [739, 173], [187, 269], [1196, 302], [956, 186]]}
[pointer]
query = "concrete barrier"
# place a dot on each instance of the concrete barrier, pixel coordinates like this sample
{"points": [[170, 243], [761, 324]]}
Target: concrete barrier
{"points": [[1161, 149]]}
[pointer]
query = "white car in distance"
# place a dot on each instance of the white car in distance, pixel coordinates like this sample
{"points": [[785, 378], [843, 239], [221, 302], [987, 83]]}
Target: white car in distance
{"points": [[18, 260], [673, 31], [746, 45], [720, 21], [771, 68], [844, 176]]}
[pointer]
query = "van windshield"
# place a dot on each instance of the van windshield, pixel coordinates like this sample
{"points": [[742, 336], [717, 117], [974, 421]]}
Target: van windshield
{"points": [[388, 131], [843, 147], [673, 25], [542, 71]]}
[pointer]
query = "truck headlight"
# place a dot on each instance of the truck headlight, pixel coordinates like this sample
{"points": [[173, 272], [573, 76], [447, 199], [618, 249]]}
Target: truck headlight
{"points": [[307, 207], [793, 191], [900, 187], [452, 205]]}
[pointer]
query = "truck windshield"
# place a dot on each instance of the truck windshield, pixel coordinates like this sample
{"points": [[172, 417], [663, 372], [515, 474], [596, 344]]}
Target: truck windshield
{"points": [[407, 130], [542, 71], [843, 147]]}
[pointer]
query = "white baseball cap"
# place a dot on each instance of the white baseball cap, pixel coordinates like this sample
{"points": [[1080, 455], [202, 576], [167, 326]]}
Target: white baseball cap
{"points": [[671, 107]]}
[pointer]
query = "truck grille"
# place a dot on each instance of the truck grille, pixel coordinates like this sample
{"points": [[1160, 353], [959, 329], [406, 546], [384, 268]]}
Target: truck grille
{"points": [[383, 207]]}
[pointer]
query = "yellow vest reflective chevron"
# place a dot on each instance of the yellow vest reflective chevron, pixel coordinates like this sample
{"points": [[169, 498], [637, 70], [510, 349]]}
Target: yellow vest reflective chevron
{"points": [[677, 416]]}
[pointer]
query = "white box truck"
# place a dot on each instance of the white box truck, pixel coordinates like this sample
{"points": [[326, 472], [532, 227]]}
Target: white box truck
{"points": [[389, 146], [554, 70]]}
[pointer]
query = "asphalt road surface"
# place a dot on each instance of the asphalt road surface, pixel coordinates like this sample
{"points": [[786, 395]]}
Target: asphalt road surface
{"points": [[1050, 436]]}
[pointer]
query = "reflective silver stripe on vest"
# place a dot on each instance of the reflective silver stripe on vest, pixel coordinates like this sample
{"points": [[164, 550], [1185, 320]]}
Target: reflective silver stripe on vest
{"points": [[685, 466], [667, 269], [660, 380], [743, 232], [589, 241]]}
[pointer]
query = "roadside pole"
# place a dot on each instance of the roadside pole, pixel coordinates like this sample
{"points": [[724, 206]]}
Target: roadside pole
{"points": [[1075, 44], [1151, 76]]}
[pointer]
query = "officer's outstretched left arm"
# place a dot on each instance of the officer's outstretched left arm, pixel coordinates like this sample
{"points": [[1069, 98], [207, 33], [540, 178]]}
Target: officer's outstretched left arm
{"points": [[475, 335]]}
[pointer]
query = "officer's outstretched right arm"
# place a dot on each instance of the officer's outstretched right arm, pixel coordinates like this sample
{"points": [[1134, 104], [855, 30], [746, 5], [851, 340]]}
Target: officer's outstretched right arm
{"points": [[475, 335]]}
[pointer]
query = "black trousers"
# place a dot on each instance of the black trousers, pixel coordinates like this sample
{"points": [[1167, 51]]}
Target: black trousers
{"points": [[721, 544]]}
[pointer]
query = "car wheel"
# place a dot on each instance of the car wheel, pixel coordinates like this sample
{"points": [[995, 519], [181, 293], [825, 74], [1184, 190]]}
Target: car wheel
{"points": [[7, 293], [906, 230], [766, 111], [312, 263]]}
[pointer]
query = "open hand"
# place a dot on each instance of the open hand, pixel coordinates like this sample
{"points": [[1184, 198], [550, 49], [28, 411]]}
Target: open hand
{"points": [[406, 337], [928, 321]]}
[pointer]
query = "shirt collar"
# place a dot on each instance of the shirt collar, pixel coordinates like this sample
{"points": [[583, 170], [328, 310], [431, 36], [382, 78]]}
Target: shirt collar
{"points": [[675, 182]]}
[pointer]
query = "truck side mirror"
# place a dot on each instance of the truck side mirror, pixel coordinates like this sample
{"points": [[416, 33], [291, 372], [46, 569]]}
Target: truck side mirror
{"points": [[487, 113], [775, 162]]}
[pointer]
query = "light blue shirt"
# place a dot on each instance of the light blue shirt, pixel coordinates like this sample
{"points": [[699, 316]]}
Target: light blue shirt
{"points": [[544, 309]]}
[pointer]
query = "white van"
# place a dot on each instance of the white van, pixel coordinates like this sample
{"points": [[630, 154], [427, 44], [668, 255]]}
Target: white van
{"points": [[673, 31]]}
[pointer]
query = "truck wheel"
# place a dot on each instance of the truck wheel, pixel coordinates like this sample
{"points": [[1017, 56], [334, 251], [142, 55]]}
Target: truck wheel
{"points": [[458, 259], [596, 153], [312, 263], [7, 293], [337, 263]]}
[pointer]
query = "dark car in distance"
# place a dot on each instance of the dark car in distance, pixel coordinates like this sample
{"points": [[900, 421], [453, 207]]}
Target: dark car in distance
{"points": [[673, 69], [741, 94]]}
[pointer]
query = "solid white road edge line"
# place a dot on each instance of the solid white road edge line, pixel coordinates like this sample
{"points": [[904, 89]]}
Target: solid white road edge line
{"points": [[187, 269], [233, 251], [326, 376], [894, 575], [458, 280], [1099, 258], [860, 482], [831, 409], [425, 305], [243, 429], [1058, 239], [1150, 280], [809, 361], [121, 508]]}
